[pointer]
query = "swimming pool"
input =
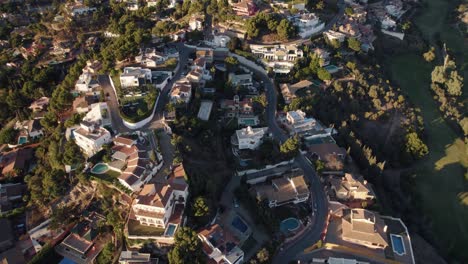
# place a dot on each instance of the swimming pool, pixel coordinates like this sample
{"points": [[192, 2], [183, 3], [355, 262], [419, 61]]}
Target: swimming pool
{"points": [[22, 140], [239, 224], [289, 224], [397, 244], [171, 228], [100, 168]]}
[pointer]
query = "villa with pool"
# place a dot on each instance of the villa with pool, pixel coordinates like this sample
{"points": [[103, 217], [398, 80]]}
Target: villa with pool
{"points": [[161, 205], [375, 237]]}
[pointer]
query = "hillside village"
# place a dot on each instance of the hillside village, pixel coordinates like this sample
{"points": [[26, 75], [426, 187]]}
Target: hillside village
{"points": [[205, 132]]}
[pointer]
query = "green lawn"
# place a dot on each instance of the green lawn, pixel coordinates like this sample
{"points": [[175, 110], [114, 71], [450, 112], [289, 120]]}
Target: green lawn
{"points": [[439, 177], [135, 229], [109, 176]]}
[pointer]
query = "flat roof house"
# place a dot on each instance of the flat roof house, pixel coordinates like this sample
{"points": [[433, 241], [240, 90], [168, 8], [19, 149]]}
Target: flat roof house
{"points": [[249, 138], [151, 58], [135, 77], [241, 80], [242, 110], [220, 245], [134, 257], [86, 83], [90, 137], [283, 190]]}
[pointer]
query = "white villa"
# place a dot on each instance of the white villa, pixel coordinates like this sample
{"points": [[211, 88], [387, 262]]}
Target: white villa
{"points": [[99, 114], [299, 124], [181, 91], [90, 137], [85, 83], [279, 57], [220, 40], [150, 57], [196, 23], [241, 80], [135, 77], [162, 204], [308, 24], [249, 138], [334, 35]]}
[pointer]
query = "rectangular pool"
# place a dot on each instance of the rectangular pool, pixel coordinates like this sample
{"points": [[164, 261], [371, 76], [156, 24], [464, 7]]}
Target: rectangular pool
{"points": [[398, 245], [171, 228], [22, 140], [238, 224]]}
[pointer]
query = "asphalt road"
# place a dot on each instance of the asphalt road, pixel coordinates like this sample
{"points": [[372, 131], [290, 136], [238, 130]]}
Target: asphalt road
{"points": [[112, 103]]}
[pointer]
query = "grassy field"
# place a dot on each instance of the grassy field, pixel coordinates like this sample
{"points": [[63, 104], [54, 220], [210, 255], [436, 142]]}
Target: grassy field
{"points": [[440, 177]]}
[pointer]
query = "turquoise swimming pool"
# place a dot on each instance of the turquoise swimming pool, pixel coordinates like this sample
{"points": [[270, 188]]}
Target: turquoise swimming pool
{"points": [[289, 224], [22, 140], [100, 168], [397, 244], [171, 228]]}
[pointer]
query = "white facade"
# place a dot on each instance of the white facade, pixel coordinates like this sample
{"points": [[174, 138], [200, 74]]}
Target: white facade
{"points": [[99, 114], [84, 83], [150, 58], [279, 57], [156, 202], [250, 138], [91, 138], [299, 124], [181, 91], [334, 35], [243, 80], [135, 76], [196, 24], [221, 40], [308, 24], [387, 23]]}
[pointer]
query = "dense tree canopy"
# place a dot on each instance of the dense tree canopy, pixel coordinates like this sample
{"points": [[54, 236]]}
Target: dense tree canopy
{"points": [[187, 248]]}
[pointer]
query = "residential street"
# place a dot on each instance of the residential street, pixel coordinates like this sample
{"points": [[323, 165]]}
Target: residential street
{"points": [[318, 195], [112, 103]]}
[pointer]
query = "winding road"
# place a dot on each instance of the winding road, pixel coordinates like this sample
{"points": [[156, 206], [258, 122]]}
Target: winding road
{"points": [[291, 251]]}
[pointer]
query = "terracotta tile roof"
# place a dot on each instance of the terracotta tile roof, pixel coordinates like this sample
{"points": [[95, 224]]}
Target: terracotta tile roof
{"points": [[16, 159], [363, 225], [120, 140]]}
